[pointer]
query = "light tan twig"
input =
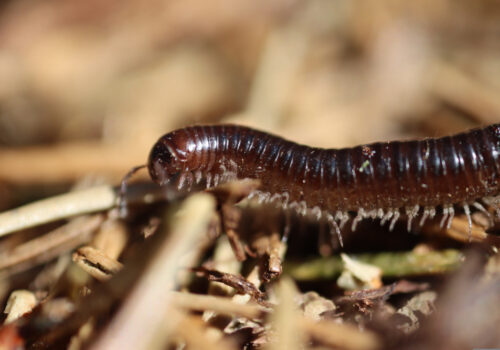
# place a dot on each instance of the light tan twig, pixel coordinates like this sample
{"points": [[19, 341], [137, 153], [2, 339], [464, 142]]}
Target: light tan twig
{"points": [[219, 305], [194, 331], [148, 318], [96, 263], [343, 336], [285, 319], [19, 303], [111, 238], [56, 208], [52, 244]]}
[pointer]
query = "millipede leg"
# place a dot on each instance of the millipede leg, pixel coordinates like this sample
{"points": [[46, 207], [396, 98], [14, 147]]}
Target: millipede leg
{"points": [[317, 213], [334, 227], [209, 180], [303, 208], [275, 198], [380, 213], [411, 213], [189, 181], [285, 197], [263, 197], [451, 216], [482, 209], [424, 217], [432, 213], [388, 215], [469, 219], [445, 216], [493, 202], [372, 214], [358, 218], [394, 219], [344, 219], [198, 176], [287, 228], [182, 180]]}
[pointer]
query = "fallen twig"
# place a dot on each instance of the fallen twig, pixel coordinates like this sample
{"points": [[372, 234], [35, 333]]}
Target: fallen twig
{"points": [[44, 248], [96, 263], [219, 305], [56, 208], [240, 283], [148, 316]]}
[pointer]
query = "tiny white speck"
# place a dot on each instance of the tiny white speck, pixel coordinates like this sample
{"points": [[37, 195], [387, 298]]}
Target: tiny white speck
{"points": [[149, 198]]}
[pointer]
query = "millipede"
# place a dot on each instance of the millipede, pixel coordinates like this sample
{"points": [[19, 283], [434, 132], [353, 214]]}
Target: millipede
{"points": [[384, 180]]}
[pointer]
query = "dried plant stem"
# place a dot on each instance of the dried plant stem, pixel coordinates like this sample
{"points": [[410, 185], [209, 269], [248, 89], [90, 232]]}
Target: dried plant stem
{"points": [[194, 332], [111, 238], [148, 318], [56, 208], [52, 244], [285, 319], [96, 263], [219, 305], [343, 336]]}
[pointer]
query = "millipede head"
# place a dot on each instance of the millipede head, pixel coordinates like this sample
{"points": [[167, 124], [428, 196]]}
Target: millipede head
{"points": [[165, 161]]}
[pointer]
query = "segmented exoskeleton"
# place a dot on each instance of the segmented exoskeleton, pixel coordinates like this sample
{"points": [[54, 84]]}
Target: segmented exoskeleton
{"points": [[380, 180]]}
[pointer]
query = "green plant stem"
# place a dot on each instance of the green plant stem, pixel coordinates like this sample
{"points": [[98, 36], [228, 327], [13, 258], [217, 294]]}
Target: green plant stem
{"points": [[392, 264]]}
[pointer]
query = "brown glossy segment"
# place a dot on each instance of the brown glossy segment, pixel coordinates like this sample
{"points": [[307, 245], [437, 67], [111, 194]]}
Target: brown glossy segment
{"points": [[431, 172]]}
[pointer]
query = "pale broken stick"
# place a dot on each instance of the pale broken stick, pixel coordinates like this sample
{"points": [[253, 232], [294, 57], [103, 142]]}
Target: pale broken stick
{"points": [[148, 316], [57, 207], [96, 263], [50, 245]]}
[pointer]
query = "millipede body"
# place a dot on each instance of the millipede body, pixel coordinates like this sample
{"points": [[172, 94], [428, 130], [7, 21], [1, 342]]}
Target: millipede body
{"points": [[383, 180]]}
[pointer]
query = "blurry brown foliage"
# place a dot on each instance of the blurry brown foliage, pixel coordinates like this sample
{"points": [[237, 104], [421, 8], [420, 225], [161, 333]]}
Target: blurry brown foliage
{"points": [[88, 86]]}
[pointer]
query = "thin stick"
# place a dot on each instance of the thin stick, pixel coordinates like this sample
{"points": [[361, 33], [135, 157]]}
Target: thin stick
{"points": [[344, 336], [96, 263], [56, 208], [220, 305], [285, 319], [44, 248], [392, 264], [148, 316]]}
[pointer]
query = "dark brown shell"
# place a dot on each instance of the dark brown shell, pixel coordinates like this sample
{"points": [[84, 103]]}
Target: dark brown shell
{"points": [[372, 179]]}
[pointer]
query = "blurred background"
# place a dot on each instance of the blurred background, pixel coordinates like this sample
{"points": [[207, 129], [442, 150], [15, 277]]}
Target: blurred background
{"points": [[88, 86]]}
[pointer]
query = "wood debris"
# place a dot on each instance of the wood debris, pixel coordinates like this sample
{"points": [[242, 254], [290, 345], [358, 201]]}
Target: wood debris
{"points": [[89, 86]]}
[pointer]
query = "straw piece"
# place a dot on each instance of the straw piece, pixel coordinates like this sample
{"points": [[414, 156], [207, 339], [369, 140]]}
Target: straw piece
{"points": [[148, 318], [285, 319], [56, 208], [96, 263], [220, 305], [52, 244], [344, 336]]}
